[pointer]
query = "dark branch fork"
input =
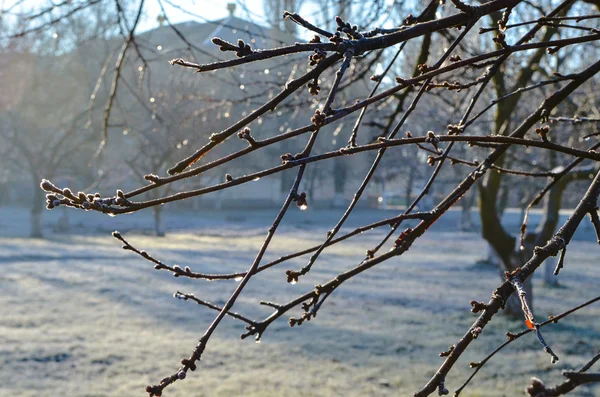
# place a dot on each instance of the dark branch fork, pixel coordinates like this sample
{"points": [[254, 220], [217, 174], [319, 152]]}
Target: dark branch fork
{"points": [[187, 272], [340, 52], [293, 275], [511, 337], [558, 242], [190, 363], [503, 292], [111, 206], [157, 181], [365, 44], [463, 124], [357, 46], [293, 196], [561, 239]]}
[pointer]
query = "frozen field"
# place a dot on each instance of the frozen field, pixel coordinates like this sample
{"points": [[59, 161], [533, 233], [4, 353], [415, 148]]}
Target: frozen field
{"points": [[81, 317]]}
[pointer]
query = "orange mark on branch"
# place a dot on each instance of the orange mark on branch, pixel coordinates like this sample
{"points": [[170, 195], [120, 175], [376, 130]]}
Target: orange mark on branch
{"points": [[196, 159], [402, 236], [529, 324]]}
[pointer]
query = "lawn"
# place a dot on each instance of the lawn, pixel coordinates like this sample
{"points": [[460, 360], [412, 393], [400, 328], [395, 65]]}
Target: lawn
{"points": [[81, 317]]}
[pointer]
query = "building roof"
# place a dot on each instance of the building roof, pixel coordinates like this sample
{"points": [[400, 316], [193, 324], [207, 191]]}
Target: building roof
{"points": [[230, 29]]}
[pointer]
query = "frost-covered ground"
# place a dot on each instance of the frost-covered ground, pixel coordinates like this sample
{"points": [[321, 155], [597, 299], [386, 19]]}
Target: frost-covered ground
{"points": [[81, 317]]}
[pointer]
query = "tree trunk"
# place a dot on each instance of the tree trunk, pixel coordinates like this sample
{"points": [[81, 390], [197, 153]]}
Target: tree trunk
{"points": [[503, 201], [409, 186], [509, 263], [503, 245], [158, 221], [36, 224], [547, 226], [466, 219], [4, 193], [37, 206], [492, 257], [62, 225], [311, 178], [383, 203], [550, 279], [339, 181], [490, 202]]}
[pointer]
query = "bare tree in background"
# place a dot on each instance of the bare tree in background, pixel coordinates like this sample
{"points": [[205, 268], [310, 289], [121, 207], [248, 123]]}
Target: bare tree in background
{"points": [[274, 9], [510, 83], [522, 122], [42, 124]]}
